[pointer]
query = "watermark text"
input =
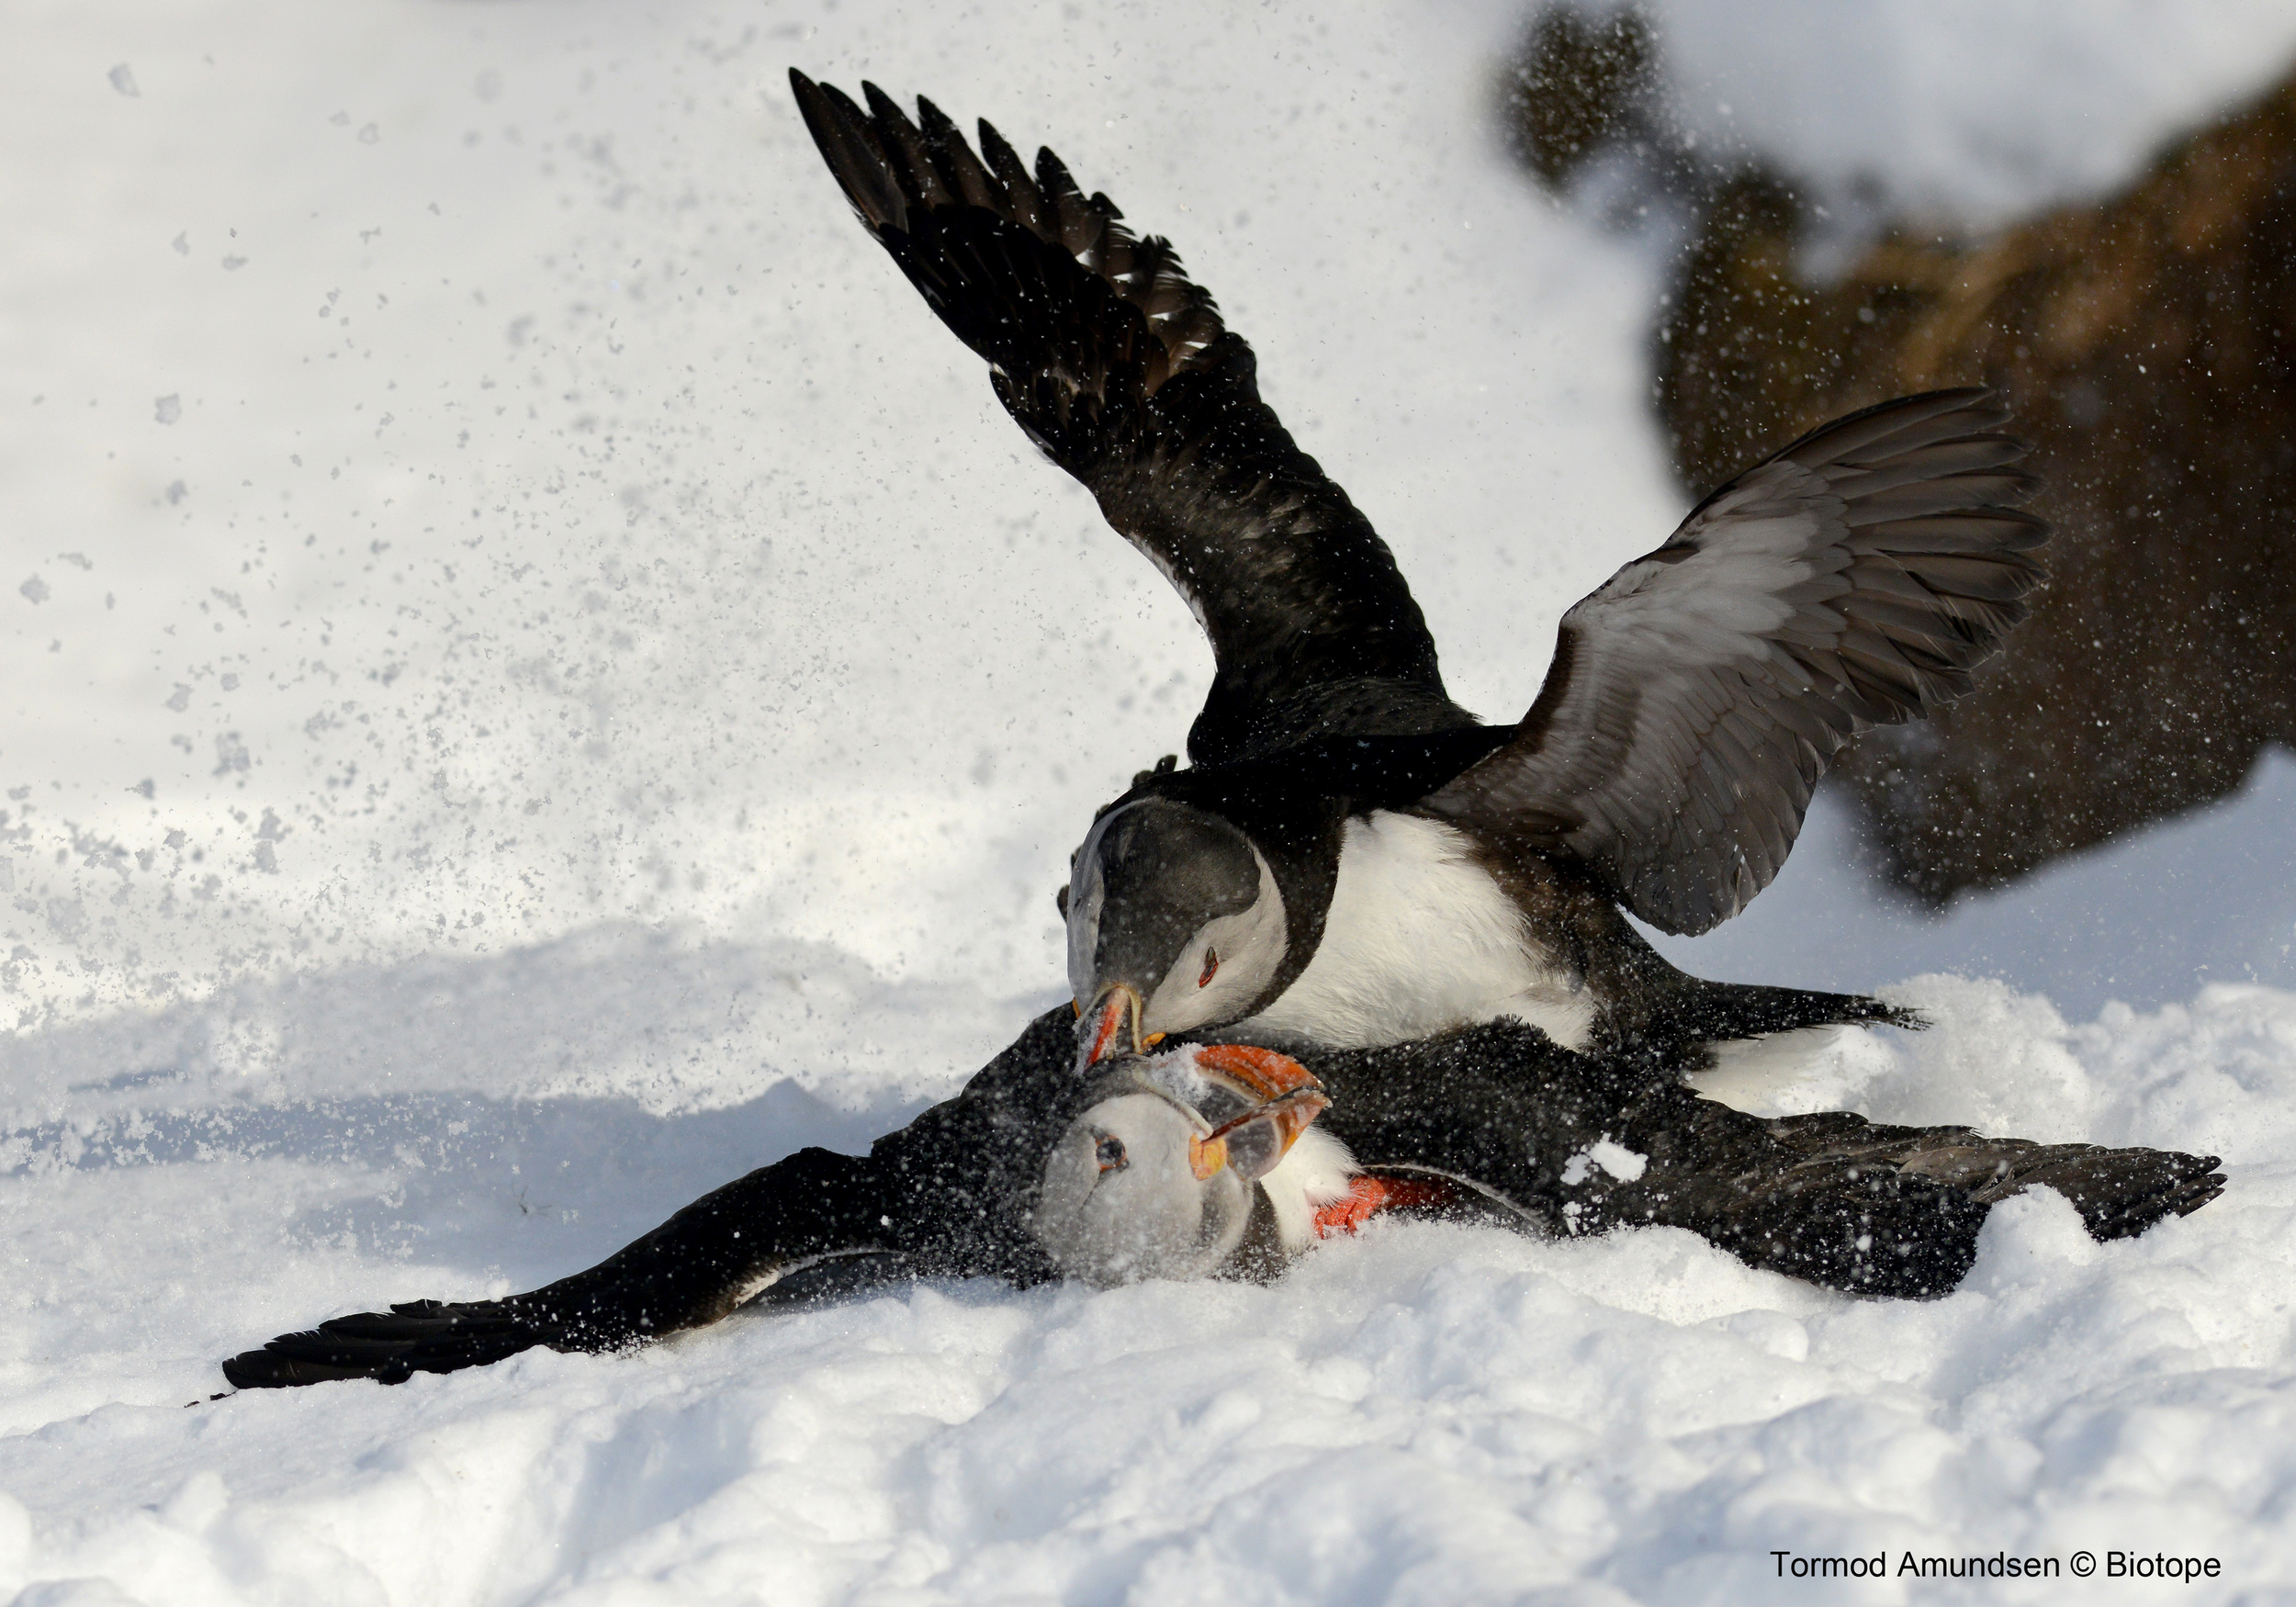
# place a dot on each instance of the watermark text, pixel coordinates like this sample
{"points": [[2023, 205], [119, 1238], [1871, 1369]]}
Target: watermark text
{"points": [[1998, 1564]]}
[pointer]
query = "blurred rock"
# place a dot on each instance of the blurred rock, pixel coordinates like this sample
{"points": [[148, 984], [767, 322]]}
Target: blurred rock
{"points": [[2148, 343], [1581, 84]]}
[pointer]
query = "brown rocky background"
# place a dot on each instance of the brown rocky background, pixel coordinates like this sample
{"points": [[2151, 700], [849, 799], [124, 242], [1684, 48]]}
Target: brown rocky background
{"points": [[2148, 345]]}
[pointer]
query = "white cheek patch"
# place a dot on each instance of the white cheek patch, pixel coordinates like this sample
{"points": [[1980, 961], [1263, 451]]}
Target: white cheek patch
{"points": [[1251, 945], [1318, 1171]]}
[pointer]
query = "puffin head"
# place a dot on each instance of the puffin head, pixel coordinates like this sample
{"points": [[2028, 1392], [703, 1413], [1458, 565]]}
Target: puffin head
{"points": [[1155, 1178], [1174, 924]]}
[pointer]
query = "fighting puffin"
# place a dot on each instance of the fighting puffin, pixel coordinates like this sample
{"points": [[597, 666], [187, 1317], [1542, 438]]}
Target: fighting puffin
{"points": [[1351, 859], [1227, 1160]]}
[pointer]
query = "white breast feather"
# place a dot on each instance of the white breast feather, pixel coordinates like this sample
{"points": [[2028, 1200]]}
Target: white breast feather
{"points": [[1315, 1173], [1419, 939]]}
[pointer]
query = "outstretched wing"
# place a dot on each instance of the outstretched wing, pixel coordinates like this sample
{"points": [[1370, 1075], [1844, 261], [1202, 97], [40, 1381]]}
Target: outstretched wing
{"points": [[947, 1195], [1856, 579], [1123, 373], [2119, 1193]]}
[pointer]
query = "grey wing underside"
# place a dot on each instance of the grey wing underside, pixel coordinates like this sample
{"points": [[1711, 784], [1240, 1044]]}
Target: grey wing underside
{"points": [[1124, 374], [1855, 579]]}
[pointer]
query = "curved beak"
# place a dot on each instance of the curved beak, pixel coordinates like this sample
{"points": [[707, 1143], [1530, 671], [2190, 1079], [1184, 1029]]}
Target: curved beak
{"points": [[1257, 1141], [1111, 1026]]}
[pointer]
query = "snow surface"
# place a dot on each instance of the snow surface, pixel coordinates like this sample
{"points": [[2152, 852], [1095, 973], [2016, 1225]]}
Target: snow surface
{"points": [[537, 680]]}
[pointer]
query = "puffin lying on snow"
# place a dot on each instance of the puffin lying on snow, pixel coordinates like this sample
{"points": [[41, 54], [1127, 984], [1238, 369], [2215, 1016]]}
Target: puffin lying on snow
{"points": [[1351, 860], [1228, 1160]]}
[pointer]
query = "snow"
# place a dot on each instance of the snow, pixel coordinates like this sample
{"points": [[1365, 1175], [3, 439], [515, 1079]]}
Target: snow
{"points": [[2209, 896], [520, 711]]}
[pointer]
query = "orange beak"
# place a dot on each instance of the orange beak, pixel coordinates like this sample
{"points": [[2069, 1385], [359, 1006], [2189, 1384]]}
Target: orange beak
{"points": [[1290, 1098], [1111, 1026], [1269, 1074]]}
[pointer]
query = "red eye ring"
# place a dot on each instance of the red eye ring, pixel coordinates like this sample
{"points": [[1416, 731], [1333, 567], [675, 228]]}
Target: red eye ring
{"points": [[1211, 967]]}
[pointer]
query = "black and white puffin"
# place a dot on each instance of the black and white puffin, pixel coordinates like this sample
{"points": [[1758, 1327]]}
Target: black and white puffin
{"points": [[1227, 1160], [1351, 859]]}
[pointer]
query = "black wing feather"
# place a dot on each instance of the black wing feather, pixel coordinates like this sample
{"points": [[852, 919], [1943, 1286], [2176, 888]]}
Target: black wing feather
{"points": [[2119, 1192], [946, 1195], [1123, 373]]}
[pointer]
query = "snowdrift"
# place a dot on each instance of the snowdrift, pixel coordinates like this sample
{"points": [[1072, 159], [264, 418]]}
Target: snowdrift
{"points": [[540, 681]]}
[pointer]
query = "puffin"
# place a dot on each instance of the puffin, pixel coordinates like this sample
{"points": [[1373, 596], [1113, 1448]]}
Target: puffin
{"points": [[1350, 859], [1230, 1161]]}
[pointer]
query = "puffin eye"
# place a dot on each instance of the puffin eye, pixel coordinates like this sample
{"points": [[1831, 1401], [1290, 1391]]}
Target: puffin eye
{"points": [[1211, 967], [1110, 1153]]}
